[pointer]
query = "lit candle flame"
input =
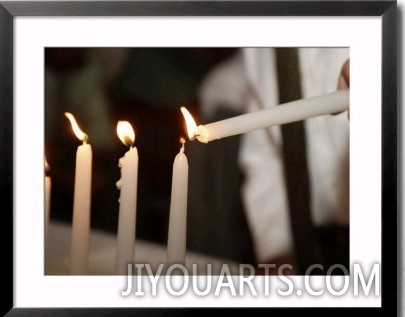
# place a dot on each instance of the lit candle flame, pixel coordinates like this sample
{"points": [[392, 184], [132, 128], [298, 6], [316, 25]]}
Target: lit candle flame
{"points": [[126, 133], [190, 123], [79, 133]]}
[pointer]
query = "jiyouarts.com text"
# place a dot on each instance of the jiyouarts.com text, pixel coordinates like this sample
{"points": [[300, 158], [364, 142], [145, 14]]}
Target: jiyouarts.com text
{"points": [[177, 280]]}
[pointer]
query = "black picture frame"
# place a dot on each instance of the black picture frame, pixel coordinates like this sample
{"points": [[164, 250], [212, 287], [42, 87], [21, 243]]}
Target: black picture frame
{"points": [[390, 112]]}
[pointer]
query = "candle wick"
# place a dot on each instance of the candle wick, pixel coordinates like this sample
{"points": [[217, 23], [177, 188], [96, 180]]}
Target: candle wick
{"points": [[85, 138], [182, 142]]}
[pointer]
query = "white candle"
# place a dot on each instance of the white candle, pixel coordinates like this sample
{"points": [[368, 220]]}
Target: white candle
{"points": [[48, 185], [79, 251], [289, 112], [176, 242], [127, 210]]}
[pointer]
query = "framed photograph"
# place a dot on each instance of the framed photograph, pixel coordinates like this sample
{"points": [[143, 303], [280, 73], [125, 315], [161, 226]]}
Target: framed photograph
{"points": [[203, 154]]}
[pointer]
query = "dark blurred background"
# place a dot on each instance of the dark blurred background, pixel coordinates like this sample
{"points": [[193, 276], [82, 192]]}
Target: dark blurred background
{"points": [[145, 86]]}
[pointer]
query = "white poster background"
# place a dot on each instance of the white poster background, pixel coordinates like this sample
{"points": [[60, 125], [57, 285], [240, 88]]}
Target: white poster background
{"points": [[33, 34]]}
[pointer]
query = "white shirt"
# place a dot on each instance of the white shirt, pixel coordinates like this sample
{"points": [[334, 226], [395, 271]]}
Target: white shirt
{"points": [[260, 157]]}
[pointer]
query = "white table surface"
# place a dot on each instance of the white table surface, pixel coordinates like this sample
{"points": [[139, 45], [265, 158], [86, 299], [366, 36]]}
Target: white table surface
{"points": [[102, 254]]}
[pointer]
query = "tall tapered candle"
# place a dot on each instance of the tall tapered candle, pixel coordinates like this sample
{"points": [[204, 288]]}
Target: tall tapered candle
{"points": [[48, 186], [128, 197], [79, 250], [298, 110], [176, 242]]}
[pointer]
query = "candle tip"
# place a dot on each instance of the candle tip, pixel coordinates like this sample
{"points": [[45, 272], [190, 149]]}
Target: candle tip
{"points": [[182, 142], [202, 134], [85, 138]]}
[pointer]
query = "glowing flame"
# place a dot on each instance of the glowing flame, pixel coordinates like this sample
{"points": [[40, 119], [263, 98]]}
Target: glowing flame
{"points": [[126, 133], [47, 167], [190, 123], [79, 133]]}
